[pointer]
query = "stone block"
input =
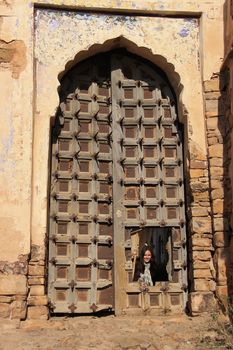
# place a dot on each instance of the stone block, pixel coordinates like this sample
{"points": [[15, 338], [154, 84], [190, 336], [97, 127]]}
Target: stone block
{"points": [[213, 95], [218, 206], [36, 270], [203, 285], [198, 164], [196, 173], [201, 255], [212, 123], [221, 260], [6, 299], [37, 312], [221, 224], [221, 239], [13, 284], [199, 211], [18, 310], [201, 242], [202, 273], [202, 302], [37, 290], [201, 225], [200, 196], [216, 151], [222, 295], [36, 281], [212, 140], [211, 85], [217, 193], [5, 310], [216, 171], [216, 183], [198, 186], [37, 300]]}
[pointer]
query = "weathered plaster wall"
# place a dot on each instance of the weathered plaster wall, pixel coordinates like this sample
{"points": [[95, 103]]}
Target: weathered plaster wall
{"points": [[24, 136]]}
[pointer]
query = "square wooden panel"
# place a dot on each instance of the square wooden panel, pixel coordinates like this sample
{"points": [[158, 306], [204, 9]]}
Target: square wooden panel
{"points": [[132, 213], [104, 147], [151, 172], [83, 207], [84, 186], [176, 234], [131, 151], [84, 127], [84, 166], [61, 272], [167, 132], [104, 128], [176, 254], [84, 106], [65, 164], [150, 152], [103, 208], [85, 146], [103, 91], [171, 192], [151, 192], [63, 206], [104, 109], [83, 228], [167, 112], [133, 300], [149, 113], [61, 294], [62, 249], [128, 93], [104, 167], [170, 172], [131, 131], [130, 112], [105, 252], [105, 296], [82, 295], [170, 152], [150, 131], [148, 92], [63, 185], [62, 228], [176, 299], [176, 276], [82, 250], [66, 125], [172, 213], [64, 145], [105, 188], [155, 299], [151, 213], [105, 229], [131, 171], [132, 193], [83, 273]]}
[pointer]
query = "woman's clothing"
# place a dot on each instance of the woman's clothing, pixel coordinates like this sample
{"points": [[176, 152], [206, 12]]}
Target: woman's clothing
{"points": [[149, 270]]}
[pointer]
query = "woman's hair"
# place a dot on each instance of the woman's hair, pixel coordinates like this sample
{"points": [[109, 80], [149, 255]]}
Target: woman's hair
{"points": [[143, 250]]}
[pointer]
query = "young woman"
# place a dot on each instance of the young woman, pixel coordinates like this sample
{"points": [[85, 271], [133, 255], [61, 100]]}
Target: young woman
{"points": [[146, 269]]}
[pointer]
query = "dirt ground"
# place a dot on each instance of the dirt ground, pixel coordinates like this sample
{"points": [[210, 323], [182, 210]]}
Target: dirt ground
{"points": [[110, 332]]}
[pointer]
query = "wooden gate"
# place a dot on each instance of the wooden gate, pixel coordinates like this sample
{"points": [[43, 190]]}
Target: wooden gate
{"points": [[116, 181]]}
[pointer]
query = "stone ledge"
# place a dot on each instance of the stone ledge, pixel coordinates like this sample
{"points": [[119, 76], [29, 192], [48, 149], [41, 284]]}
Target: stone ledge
{"points": [[13, 284]]}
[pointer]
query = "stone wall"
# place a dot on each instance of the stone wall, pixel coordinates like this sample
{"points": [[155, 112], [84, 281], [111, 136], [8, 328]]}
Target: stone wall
{"points": [[219, 146]]}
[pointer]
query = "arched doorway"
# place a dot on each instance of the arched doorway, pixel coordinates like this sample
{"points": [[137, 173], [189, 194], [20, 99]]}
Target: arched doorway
{"points": [[116, 183]]}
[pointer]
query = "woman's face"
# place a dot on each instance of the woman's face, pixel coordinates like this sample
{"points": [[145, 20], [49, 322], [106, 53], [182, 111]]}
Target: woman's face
{"points": [[147, 256]]}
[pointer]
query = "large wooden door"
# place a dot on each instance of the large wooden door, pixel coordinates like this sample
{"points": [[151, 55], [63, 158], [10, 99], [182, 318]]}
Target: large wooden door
{"points": [[116, 179]]}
